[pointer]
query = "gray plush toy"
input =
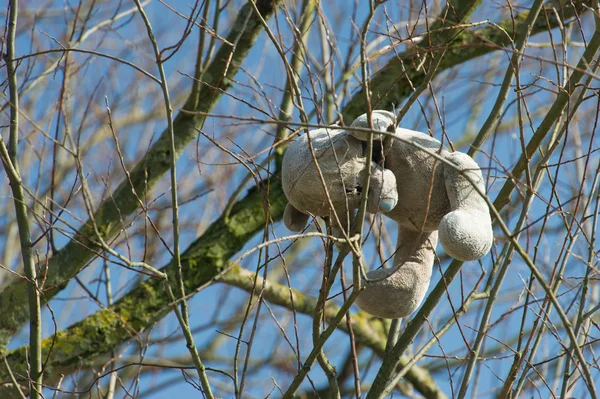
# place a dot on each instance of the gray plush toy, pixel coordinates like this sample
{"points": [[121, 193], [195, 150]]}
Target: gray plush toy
{"points": [[425, 196]]}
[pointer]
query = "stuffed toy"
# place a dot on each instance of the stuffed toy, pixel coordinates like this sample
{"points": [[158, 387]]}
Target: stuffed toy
{"points": [[427, 197]]}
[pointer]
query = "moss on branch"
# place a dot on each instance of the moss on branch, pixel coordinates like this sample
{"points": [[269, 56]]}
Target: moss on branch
{"points": [[147, 303], [368, 331]]}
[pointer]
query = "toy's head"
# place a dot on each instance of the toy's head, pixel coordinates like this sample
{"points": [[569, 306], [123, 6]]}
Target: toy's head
{"points": [[341, 163], [383, 121]]}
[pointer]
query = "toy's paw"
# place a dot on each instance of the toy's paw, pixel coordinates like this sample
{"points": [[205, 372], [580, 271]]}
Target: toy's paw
{"points": [[383, 193], [294, 219], [390, 298], [466, 235]]}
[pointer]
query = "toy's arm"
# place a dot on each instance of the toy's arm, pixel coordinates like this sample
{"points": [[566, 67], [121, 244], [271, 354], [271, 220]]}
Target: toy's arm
{"points": [[398, 291], [466, 231]]}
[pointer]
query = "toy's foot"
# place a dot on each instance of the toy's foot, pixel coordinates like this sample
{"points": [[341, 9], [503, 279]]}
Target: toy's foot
{"points": [[396, 295], [466, 235]]}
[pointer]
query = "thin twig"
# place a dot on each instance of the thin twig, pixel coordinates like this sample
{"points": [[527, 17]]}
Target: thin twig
{"points": [[184, 317], [11, 165]]}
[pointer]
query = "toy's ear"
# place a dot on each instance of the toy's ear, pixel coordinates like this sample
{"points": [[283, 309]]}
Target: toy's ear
{"points": [[294, 219], [382, 120]]}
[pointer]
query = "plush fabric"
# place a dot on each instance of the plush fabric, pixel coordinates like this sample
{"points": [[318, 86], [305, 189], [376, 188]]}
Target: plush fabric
{"points": [[425, 196]]}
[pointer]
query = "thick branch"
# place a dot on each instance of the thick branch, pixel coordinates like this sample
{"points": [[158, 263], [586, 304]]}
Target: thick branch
{"points": [[391, 85], [147, 303]]}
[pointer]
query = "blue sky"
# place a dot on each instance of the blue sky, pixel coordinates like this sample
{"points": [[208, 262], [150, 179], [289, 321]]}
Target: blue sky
{"points": [[464, 94]]}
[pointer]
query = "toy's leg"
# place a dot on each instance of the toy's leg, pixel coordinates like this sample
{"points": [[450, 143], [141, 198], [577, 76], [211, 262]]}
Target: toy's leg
{"points": [[466, 231], [398, 291]]}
